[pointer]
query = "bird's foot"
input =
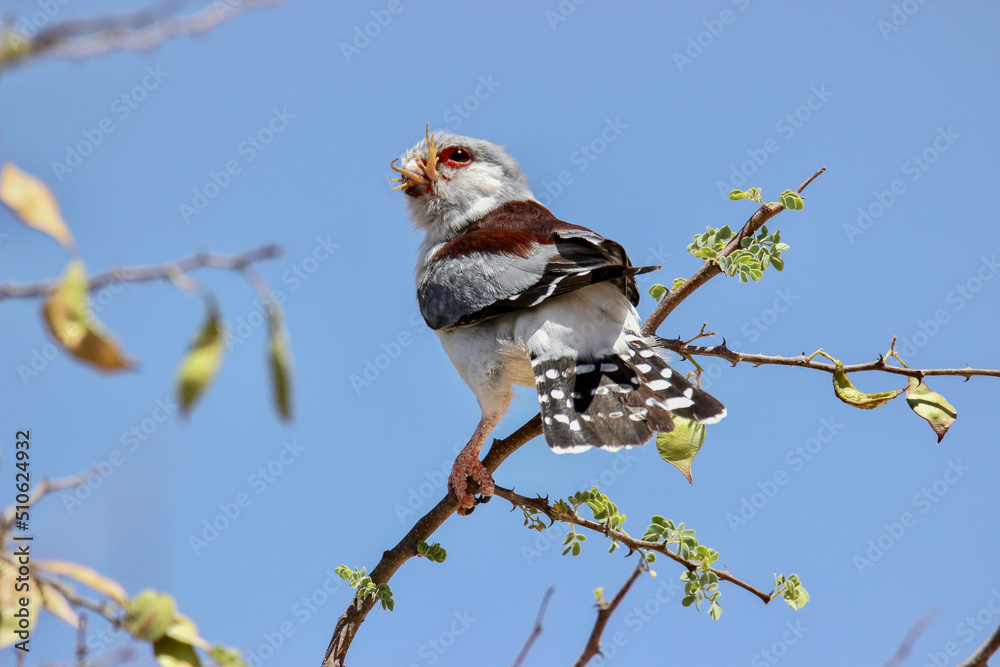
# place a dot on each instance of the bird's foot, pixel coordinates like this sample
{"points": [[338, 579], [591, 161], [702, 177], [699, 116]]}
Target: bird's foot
{"points": [[468, 464]]}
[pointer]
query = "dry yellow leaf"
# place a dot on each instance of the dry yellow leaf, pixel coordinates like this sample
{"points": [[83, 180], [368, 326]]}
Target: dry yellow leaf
{"points": [[57, 604], [11, 611], [86, 576], [33, 203], [68, 315]]}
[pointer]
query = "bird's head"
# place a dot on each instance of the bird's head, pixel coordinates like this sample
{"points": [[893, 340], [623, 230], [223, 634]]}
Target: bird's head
{"points": [[450, 181]]}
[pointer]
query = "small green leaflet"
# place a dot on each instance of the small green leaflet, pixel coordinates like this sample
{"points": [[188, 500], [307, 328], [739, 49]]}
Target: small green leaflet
{"points": [[791, 200]]}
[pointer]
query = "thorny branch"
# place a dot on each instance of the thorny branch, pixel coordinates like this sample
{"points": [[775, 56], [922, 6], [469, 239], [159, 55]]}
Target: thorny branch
{"points": [[350, 621], [604, 611], [543, 506], [806, 361], [139, 31], [136, 274], [709, 270]]}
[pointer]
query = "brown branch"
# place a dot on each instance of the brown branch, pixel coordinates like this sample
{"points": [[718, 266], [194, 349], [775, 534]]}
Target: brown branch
{"points": [[605, 609], [984, 652], [632, 543], [537, 630], [804, 361], [709, 270], [134, 274], [350, 621], [138, 31]]}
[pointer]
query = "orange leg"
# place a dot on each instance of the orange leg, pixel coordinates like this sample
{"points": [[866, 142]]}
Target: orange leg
{"points": [[468, 463]]}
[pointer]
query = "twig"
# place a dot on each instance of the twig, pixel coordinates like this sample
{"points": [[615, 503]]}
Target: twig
{"points": [[38, 492], [709, 270], [139, 31], [984, 652], [593, 646], [81, 642], [805, 361], [105, 609], [918, 628], [632, 543], [537, 630], [134, 274], [350, 621]]}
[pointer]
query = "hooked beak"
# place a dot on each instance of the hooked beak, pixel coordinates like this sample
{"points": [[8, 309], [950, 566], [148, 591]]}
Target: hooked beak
{"points": [[426, 172]]}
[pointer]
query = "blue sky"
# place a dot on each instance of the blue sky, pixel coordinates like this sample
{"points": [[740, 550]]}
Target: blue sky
{"points": [[627, 118]]}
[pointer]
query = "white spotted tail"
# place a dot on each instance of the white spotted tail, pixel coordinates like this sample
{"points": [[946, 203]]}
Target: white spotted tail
{"points": [[615, 400]]}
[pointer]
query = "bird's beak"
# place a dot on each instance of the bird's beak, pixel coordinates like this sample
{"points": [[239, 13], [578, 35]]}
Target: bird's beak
{"points": [[426, 171]]}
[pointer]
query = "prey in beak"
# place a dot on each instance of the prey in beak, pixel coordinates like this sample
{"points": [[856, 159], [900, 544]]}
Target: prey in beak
{"points": [[410, 181]]}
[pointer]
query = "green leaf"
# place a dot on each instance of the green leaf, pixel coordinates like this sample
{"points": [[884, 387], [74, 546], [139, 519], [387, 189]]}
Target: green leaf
{"points": [[737, 194], [849, 394], [68, 315], [932, 406], [86, 576], [202, 361], [680, 446], [170, 652], [149, 614], [791, 200], [796, 597], [226, 657], [185, 631], [677, 283], [432, 552], [657, 291], [280, 361]]}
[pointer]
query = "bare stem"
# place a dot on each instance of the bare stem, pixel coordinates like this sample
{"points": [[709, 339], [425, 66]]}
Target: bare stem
{"points": [[593, 645], [982, 655], [537, 630], [138, 274], [806, 361], [138, 31], [38, 492]]}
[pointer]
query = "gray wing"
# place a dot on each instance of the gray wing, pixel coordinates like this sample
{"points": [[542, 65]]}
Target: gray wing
{"points": [[460, 289]]}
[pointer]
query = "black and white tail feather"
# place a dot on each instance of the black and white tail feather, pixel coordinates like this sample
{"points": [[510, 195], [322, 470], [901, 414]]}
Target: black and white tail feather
{"points": [[617, 399]]}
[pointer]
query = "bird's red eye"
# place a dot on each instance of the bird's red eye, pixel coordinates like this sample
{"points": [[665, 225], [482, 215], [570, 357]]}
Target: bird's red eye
{"points": [[456, 156]]}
